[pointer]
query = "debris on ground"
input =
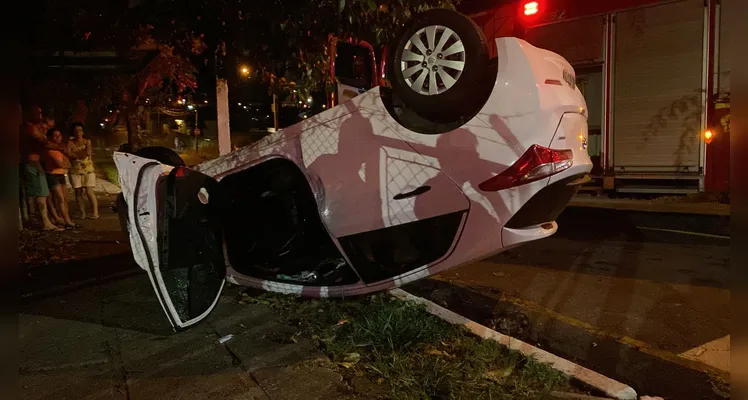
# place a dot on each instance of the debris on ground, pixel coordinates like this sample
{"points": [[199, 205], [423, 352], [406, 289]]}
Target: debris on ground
{"points": [[94, 239], [224, 339]]}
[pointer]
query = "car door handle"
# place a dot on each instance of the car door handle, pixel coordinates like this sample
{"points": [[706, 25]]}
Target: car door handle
{"points": [[413, 193]]}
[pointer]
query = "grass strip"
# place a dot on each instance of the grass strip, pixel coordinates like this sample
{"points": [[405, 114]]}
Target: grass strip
{"points": [[409, 353]]}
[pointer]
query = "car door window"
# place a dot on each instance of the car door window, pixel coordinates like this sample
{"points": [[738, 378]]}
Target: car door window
{"points": [[190, 246], [175, 233]]}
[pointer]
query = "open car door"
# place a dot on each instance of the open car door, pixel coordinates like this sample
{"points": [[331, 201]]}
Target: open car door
{"points": [[175, 235]]}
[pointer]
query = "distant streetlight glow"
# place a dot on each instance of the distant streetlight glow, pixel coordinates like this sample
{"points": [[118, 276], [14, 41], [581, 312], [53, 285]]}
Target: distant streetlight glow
{"points": [[309, 100], [190, 107], [245, 70]]}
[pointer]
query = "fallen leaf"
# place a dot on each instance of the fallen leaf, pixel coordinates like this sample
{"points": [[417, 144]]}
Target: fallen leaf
{"points": [[499, 375], [435, 352], [352, 357]]}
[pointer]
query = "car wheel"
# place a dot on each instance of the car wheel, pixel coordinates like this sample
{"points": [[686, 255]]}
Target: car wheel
{"points": [[164, 155], [438, 63]]}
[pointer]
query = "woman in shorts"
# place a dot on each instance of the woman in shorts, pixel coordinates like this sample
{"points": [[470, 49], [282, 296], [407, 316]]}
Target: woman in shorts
{"points": [[82, 176], [55, 166]]}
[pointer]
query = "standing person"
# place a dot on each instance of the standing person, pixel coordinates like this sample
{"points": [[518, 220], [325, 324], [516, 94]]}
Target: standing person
{"points": [[56, 165], [48, 123], [33, 142], [82, 175]]}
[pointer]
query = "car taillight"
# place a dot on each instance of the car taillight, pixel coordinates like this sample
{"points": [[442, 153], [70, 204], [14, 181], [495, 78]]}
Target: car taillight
{"points": [[537, 163], [530, 8]]}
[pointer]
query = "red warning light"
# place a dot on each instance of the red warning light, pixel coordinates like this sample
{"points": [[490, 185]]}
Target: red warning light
{"points": [[531, 8]]}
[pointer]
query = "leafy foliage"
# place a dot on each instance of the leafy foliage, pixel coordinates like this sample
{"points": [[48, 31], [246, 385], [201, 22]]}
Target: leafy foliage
{"points": [[285, 42]]}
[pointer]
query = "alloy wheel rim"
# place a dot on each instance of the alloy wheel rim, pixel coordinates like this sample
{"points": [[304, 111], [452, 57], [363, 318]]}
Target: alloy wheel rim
{"points": [[432, 60]]}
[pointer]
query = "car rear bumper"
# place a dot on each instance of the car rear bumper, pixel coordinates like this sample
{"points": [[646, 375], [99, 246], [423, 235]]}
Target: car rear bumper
{"points": [[546, 205]]}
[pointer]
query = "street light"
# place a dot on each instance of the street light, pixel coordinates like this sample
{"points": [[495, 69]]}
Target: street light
{"points": [[244, 70], [708, 135]]}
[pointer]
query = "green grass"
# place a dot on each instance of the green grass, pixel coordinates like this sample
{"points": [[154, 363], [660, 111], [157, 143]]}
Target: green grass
{"points": [[410, 353], [111, 173]]}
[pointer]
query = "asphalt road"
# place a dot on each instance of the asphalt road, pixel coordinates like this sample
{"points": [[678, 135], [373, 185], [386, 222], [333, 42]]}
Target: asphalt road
{"points": [[624, 293]]}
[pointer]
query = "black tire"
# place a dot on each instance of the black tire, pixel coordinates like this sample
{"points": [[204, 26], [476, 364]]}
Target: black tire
{"points": [[458, 101], [122, 212], [164, 155]]}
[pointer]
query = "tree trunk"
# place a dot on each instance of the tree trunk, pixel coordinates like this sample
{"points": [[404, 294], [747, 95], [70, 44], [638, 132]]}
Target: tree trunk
{"points": [[133, 139], [129, 131]]}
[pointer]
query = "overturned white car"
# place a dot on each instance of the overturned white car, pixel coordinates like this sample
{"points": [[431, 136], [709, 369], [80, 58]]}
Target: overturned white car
{"points": [[463, 157]]}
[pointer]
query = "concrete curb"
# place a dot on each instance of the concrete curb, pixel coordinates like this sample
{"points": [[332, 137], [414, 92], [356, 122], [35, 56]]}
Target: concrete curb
{"points": [[610, 387], [650, 206], [104, 186]]}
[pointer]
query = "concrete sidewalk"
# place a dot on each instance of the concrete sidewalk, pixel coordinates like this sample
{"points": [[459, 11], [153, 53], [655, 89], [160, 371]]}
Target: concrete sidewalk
{"points": [[91, 327], [663, 205], [111, 341]]}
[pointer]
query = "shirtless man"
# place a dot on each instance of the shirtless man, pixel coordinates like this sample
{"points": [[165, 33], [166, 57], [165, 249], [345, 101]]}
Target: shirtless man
{"points": [[33, 143], [48, 123]]}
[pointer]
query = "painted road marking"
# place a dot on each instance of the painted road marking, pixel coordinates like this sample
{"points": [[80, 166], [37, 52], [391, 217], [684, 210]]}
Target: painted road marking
{"points": [[622, 339], [684, 232], [715, 353]]}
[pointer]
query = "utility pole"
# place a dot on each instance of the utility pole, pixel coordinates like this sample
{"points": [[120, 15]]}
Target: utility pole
{"points": [[196, 132], [222, 104], [275, 112]]}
